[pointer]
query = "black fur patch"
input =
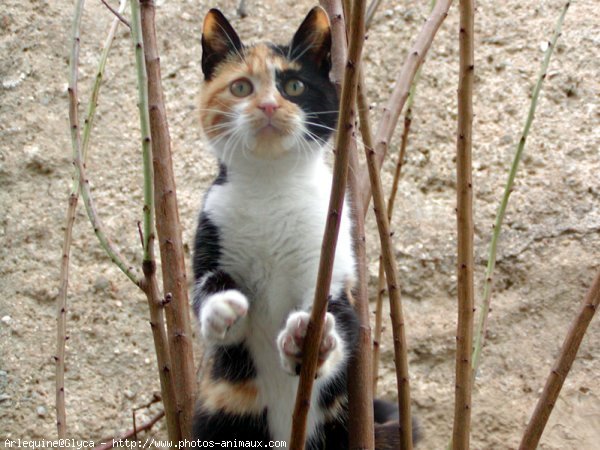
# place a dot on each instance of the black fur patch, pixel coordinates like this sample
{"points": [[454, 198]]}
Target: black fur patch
{"points": [[207, 247], [347, 324], [385, 411], [334, 437], [222, 177], [227, 427], [233, 363], [319, 100]]}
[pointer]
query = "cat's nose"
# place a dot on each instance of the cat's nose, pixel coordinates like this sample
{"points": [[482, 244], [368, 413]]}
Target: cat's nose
{"points": [[268, 108]]}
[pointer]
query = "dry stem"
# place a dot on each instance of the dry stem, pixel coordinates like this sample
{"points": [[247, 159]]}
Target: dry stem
{"points": [[169, 230], [128, 434], [561, 367], [391, 271], [360, 396], [118, 14], [340, 174], [391, 112], [61, 315], [464, 215]]}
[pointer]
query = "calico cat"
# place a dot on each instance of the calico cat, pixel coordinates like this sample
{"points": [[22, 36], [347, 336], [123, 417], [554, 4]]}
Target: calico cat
{"points": [[267, 112]]}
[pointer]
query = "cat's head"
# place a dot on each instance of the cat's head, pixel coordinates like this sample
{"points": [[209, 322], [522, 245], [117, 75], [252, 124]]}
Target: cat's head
{"points": [[264, 101]]}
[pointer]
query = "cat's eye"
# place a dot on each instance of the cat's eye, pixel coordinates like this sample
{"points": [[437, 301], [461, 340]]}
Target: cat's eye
{"points": [[241, 87], [294, 87]]}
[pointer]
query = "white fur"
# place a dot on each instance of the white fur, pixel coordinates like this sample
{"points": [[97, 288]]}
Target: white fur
{"points": [[291, 339], [271, 217], [222, 318]]}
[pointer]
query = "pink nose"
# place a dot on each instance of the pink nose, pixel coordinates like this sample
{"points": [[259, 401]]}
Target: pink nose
{"points": [[268, 108]]}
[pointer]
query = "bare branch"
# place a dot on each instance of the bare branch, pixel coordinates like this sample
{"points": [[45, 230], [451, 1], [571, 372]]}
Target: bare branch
{"points": [[391, 112], [561, 367], [169, 230], [61, 315], [117, 13], [391, 272], [360, 395], [161, 342], [464, 216], [338, 189], [371, 12], [128, 434]]}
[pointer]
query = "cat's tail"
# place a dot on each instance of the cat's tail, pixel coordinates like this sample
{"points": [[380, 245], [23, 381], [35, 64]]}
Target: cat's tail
{"points": [[387, 435], [387, 426]]}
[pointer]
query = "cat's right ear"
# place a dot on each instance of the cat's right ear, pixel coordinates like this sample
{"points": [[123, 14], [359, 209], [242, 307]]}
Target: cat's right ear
{"points": [[219, 39]]}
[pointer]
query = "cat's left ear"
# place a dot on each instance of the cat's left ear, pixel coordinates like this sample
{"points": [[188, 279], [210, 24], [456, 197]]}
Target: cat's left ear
{"points": [[312, 41]]}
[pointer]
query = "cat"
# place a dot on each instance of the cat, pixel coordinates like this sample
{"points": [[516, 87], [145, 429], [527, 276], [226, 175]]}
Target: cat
{"points": [[267, 113]]}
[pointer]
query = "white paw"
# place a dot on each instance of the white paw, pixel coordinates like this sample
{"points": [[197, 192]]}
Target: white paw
{"points": [[222, 313], [291, 340]]}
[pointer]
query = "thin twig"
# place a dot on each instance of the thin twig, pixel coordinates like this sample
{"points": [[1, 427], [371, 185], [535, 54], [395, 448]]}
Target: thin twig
{"points": [[150, 285], [61, 315], [371, 12], [336, 203], [561, 367], [117, 13], [168, 227], [391, 112], [464, 216], [381, 290], [99, 228], [391, 272], [491, 264], [110, 442], [93, 102], [360, 396]]}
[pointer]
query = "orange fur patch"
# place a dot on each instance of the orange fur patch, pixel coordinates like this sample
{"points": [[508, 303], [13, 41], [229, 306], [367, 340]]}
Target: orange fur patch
{"points": [[233, 398]]}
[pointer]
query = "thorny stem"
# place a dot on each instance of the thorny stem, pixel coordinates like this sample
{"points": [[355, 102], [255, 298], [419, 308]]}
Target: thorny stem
{"points": [[464, 218], [360, 396], [340, 174], [390, 207], [142, 81], [118, 14], [491, 264], [391, 272], [561, 367], [110, 442], [150, 285], [169, 230], [61, 305], [371, 12], [74, 195]]}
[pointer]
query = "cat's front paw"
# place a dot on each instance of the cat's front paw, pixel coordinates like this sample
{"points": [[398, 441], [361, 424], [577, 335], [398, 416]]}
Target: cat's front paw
{"points": [[223, 315], [291, 341]]}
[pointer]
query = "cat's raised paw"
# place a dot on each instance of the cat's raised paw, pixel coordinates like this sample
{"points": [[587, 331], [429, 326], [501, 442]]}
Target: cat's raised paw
{"points": [[291, 341], [222, 316]]}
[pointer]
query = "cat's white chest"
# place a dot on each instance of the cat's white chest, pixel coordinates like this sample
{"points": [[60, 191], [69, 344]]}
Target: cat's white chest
{"points": [[270, 237]]}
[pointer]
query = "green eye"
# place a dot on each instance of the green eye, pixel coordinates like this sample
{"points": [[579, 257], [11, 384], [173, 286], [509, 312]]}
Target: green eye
{"points": [[294, 87], [241, 87]]}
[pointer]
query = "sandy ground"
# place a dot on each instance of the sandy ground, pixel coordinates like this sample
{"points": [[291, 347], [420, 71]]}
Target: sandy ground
{"points": [[549, 249]]}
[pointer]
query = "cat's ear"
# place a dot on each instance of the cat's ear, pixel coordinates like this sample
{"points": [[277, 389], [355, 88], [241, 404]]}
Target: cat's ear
{"points": [[312, 41], [219, 39]]}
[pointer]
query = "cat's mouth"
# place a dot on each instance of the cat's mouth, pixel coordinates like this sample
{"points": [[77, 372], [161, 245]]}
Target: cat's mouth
{"points": [[269, 130]]}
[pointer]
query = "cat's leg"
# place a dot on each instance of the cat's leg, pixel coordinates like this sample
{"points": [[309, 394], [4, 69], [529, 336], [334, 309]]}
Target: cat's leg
{"points": [[337, 342], [221, 308], [218, 303]]}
